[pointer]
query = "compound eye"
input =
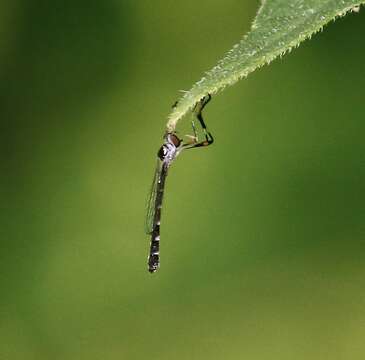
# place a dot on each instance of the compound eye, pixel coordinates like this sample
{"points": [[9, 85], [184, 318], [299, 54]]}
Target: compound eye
{"points": [[175, 140], [162, 152]]}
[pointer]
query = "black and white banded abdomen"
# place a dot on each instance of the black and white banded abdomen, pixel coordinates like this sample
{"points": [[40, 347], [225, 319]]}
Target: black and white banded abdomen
{"points": [[154, 257]]}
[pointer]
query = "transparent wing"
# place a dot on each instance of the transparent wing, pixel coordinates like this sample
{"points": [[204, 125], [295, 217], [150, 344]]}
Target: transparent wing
{"points": [[151, 200]]}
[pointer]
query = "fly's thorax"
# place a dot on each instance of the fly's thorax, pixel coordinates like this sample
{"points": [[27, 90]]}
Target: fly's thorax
{"points": [[162, 152]]}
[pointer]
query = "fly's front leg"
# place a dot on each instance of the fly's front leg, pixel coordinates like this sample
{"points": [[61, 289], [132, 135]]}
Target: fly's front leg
{"points": [[193, 139], [198, 113]]}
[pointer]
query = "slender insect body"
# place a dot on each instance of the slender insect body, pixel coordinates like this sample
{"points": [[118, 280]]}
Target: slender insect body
{"points": [[166, 154], [170, 149]]}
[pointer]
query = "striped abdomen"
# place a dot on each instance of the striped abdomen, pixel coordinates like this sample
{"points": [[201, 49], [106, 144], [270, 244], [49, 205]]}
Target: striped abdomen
{"points": [[154, 257]]}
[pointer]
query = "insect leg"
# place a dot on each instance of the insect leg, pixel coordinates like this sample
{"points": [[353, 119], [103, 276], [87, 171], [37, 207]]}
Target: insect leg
{"points": [[198, 113]]}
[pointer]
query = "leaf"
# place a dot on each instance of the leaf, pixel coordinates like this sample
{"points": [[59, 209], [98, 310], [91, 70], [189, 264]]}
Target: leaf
{"points": [[279, 26]]}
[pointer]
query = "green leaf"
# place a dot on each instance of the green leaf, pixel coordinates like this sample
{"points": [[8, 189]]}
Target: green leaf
{"points": [[279, 26]]}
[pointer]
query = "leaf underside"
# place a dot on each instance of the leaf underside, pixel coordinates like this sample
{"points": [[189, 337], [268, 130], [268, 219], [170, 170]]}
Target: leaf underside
{"points": [[279, 26]]}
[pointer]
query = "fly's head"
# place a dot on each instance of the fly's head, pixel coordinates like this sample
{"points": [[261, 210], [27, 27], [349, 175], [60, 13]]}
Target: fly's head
{"points": [[170, 148]]}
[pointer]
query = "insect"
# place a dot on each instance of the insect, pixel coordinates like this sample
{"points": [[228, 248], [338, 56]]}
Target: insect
{"points": [[168, 152]]}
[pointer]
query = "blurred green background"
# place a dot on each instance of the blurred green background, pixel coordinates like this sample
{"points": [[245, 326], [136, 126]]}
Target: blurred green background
{"points": [[263, 232]]}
